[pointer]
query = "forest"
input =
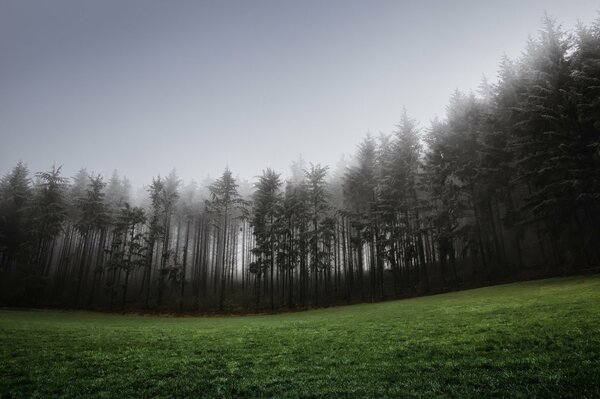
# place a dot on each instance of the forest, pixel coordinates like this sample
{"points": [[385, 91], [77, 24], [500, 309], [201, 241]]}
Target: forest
{"points": [[505, 188]]}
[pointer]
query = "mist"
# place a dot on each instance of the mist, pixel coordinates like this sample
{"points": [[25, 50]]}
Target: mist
{"points": [[145, 87], [428, 172]]}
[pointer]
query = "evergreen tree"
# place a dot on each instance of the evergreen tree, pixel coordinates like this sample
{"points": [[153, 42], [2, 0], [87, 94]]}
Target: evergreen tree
{"points": [[318, 198], [226, 202], [549, 141], [15, 195], [48, 213], [92, 224], [266, 211]]}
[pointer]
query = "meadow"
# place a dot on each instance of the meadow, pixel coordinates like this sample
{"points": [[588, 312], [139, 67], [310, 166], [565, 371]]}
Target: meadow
{"points": [[522, 340]]}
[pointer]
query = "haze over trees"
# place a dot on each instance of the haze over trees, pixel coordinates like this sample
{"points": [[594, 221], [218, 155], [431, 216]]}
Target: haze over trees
{"points": [[507, 186]]}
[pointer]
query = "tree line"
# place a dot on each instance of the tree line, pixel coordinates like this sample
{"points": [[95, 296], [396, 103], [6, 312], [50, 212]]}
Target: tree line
{"points": [[507, 186]]}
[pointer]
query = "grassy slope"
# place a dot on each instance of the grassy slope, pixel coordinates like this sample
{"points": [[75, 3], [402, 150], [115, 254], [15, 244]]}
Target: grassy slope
{"points": [[533, 339]]}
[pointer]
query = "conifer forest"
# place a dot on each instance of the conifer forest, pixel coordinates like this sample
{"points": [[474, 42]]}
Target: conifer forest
{"points": [[506, 187]]}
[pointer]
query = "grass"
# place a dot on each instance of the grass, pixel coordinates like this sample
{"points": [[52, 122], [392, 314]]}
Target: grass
{"points": [[532, 339]]}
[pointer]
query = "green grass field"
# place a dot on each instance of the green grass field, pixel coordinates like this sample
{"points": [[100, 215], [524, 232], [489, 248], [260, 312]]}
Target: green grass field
{"points": [[532, 339]]}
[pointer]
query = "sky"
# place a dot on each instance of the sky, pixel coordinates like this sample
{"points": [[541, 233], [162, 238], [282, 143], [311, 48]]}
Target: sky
{"points": [[147, 86]]}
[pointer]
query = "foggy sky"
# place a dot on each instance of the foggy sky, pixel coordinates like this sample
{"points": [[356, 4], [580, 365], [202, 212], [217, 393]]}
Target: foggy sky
{"points": [[145, 86]]}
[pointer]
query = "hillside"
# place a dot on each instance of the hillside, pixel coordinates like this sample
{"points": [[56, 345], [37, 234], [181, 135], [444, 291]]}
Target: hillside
{"points": [[531, 339]]}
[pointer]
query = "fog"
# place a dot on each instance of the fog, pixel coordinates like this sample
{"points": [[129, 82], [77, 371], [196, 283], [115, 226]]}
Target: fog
{"points": [[147, 86]]}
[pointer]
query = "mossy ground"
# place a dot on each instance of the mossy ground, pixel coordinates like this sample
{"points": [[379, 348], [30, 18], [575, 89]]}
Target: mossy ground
{"points": [[531, 339]]}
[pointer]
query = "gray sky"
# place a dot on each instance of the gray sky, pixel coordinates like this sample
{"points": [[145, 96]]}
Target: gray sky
{"points": [[145, 86]]}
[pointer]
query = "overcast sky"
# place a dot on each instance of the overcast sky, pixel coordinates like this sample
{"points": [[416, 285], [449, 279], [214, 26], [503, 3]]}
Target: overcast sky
{"points": [[145, 86]]}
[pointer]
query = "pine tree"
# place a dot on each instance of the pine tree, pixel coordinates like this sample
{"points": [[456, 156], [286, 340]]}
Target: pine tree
{"points": [[362, 189], [48, 213], [319, 206], [168, 270], [266, 210], [226, 202], [15, 195], [549, 140], [92, 224]]}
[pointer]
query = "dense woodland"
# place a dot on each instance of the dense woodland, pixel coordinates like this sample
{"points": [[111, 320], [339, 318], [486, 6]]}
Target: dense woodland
{"points": [[507, 186]]}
